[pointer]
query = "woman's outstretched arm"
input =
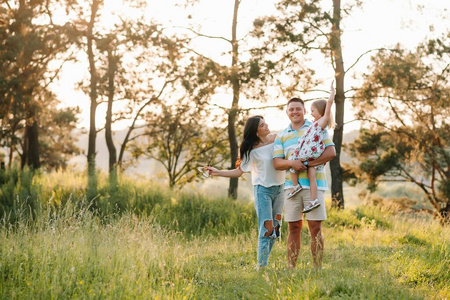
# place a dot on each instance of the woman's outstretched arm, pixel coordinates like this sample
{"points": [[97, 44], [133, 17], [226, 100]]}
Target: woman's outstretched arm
{"points": [[224, 173]]}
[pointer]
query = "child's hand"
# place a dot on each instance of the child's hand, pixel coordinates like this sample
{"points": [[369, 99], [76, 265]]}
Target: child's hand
{"points": [[332, 91]]}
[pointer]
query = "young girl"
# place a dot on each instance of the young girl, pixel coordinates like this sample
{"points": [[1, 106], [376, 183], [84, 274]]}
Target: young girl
{"points": [[311, 146], [256, 155]]}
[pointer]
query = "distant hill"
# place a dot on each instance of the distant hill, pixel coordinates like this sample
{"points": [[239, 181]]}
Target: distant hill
{"points": [[145, 166], [78, 162], [152, 170], [348, 138]]}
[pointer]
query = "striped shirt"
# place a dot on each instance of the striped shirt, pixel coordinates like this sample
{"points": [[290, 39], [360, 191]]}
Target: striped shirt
{"points": [[286, 142]]}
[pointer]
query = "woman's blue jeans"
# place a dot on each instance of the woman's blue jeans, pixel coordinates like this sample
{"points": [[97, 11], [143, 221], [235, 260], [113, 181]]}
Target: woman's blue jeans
{"points": [[269, 203]]}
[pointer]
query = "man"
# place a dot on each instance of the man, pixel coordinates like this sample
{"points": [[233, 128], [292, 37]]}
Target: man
{"points": [[285, 143]]}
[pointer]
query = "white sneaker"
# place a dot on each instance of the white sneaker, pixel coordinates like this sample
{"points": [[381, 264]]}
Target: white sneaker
{"points": [[295, 190], [314, 204]]}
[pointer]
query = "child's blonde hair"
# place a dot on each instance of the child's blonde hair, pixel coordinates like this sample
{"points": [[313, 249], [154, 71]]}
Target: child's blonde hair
{"points": [[320, 105]]}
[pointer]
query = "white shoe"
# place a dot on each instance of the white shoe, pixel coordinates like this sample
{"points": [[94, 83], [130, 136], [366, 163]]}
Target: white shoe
{"points": [[314, 204], [295, 190]]}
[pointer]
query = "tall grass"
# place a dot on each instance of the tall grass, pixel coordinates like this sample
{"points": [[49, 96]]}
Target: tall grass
{"points": [[25, 195], [157, 244]]}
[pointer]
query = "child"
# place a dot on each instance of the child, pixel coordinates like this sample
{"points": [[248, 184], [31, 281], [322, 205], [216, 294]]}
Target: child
{"points": [[310, 146]]}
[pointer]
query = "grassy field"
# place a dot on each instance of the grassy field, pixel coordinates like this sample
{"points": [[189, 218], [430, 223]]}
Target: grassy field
{"points": [[164, 245]]}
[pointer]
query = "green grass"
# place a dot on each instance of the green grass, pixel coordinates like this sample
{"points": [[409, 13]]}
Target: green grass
{"points": [[164, 245]]}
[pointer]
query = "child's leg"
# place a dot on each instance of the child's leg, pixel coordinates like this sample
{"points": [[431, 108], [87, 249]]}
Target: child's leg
{"points": [[294, 178], [313, 203], [312, 183], [296, 187]]}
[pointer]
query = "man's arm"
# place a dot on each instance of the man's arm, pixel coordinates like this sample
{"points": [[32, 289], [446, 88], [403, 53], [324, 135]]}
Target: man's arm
{"points": [[282, 164], [328, 154]]}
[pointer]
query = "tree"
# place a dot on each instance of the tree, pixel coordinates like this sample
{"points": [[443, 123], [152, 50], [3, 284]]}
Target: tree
{"points": [[337, 192], [93, 95], [85, 34], [299, 28], [242, 77], [57, 143], [160, 59], [119, 43], [31, 41], [236, 86], [177, 140], [404, 102], [178, 132], [111, 74]]}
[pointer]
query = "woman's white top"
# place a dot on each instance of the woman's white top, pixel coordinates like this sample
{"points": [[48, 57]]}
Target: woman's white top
{"points": [[260, 163]]}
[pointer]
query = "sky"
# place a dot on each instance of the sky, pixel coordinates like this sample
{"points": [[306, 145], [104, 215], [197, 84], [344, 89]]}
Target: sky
{"points": [[380, 23]]}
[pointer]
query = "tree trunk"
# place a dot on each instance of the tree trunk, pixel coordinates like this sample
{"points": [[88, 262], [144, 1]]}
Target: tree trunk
{"points": [[233, 187], [32, 134], [92, 180], [445, 213], [30, 154], [24, 156], [335, 164], [123, 147], [108, 130], [12, 147]]}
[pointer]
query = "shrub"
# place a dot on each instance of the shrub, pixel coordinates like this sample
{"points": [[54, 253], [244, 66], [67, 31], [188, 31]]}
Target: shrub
{"points": [[373, 216], [17, 195], [197, 215], [342, 218]]}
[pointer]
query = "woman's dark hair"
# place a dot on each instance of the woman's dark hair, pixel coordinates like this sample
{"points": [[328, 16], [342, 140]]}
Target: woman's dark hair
{"points": [[250, 138]]}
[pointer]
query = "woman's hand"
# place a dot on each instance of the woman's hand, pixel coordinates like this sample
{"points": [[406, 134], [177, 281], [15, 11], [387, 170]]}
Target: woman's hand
{"points": [[271, 137], [223, 173], [211, 170]]}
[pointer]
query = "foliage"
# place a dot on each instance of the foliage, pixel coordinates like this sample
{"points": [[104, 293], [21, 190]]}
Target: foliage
{"points": [[31, 45], [56, 145], [284, 38], [248, 76], [299, 28], [26, 194], [409, 140], [17, 195], [180, 138], [188, 82]]}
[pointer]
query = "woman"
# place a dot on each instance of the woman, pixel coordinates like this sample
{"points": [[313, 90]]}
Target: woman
{"points": [[256, 155]]}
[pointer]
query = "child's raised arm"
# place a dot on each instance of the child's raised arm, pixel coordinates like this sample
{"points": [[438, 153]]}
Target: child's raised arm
{"points": [[325, 119]]}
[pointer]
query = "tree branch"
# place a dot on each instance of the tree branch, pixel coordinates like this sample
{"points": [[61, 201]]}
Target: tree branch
{"points": [[367, 52], [205, 35]]}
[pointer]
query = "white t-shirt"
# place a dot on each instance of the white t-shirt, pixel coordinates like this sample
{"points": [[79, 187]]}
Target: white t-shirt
{"points": [[260, 163]]}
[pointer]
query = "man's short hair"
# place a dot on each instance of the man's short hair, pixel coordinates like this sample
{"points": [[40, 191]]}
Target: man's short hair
{"points": [[295, 99]]}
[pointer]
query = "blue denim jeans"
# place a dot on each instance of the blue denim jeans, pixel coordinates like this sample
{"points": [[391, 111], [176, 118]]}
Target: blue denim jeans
{"points": [[269, 207]]}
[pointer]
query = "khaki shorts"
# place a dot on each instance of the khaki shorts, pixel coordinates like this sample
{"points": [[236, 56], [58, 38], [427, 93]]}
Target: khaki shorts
{"points": [[293, 207]]}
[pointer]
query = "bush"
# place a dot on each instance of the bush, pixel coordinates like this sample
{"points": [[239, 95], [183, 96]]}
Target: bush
{"points": [[17, 195], [372, 216], [197, 215], [25, 195], [342, 218], [392, 204]]}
